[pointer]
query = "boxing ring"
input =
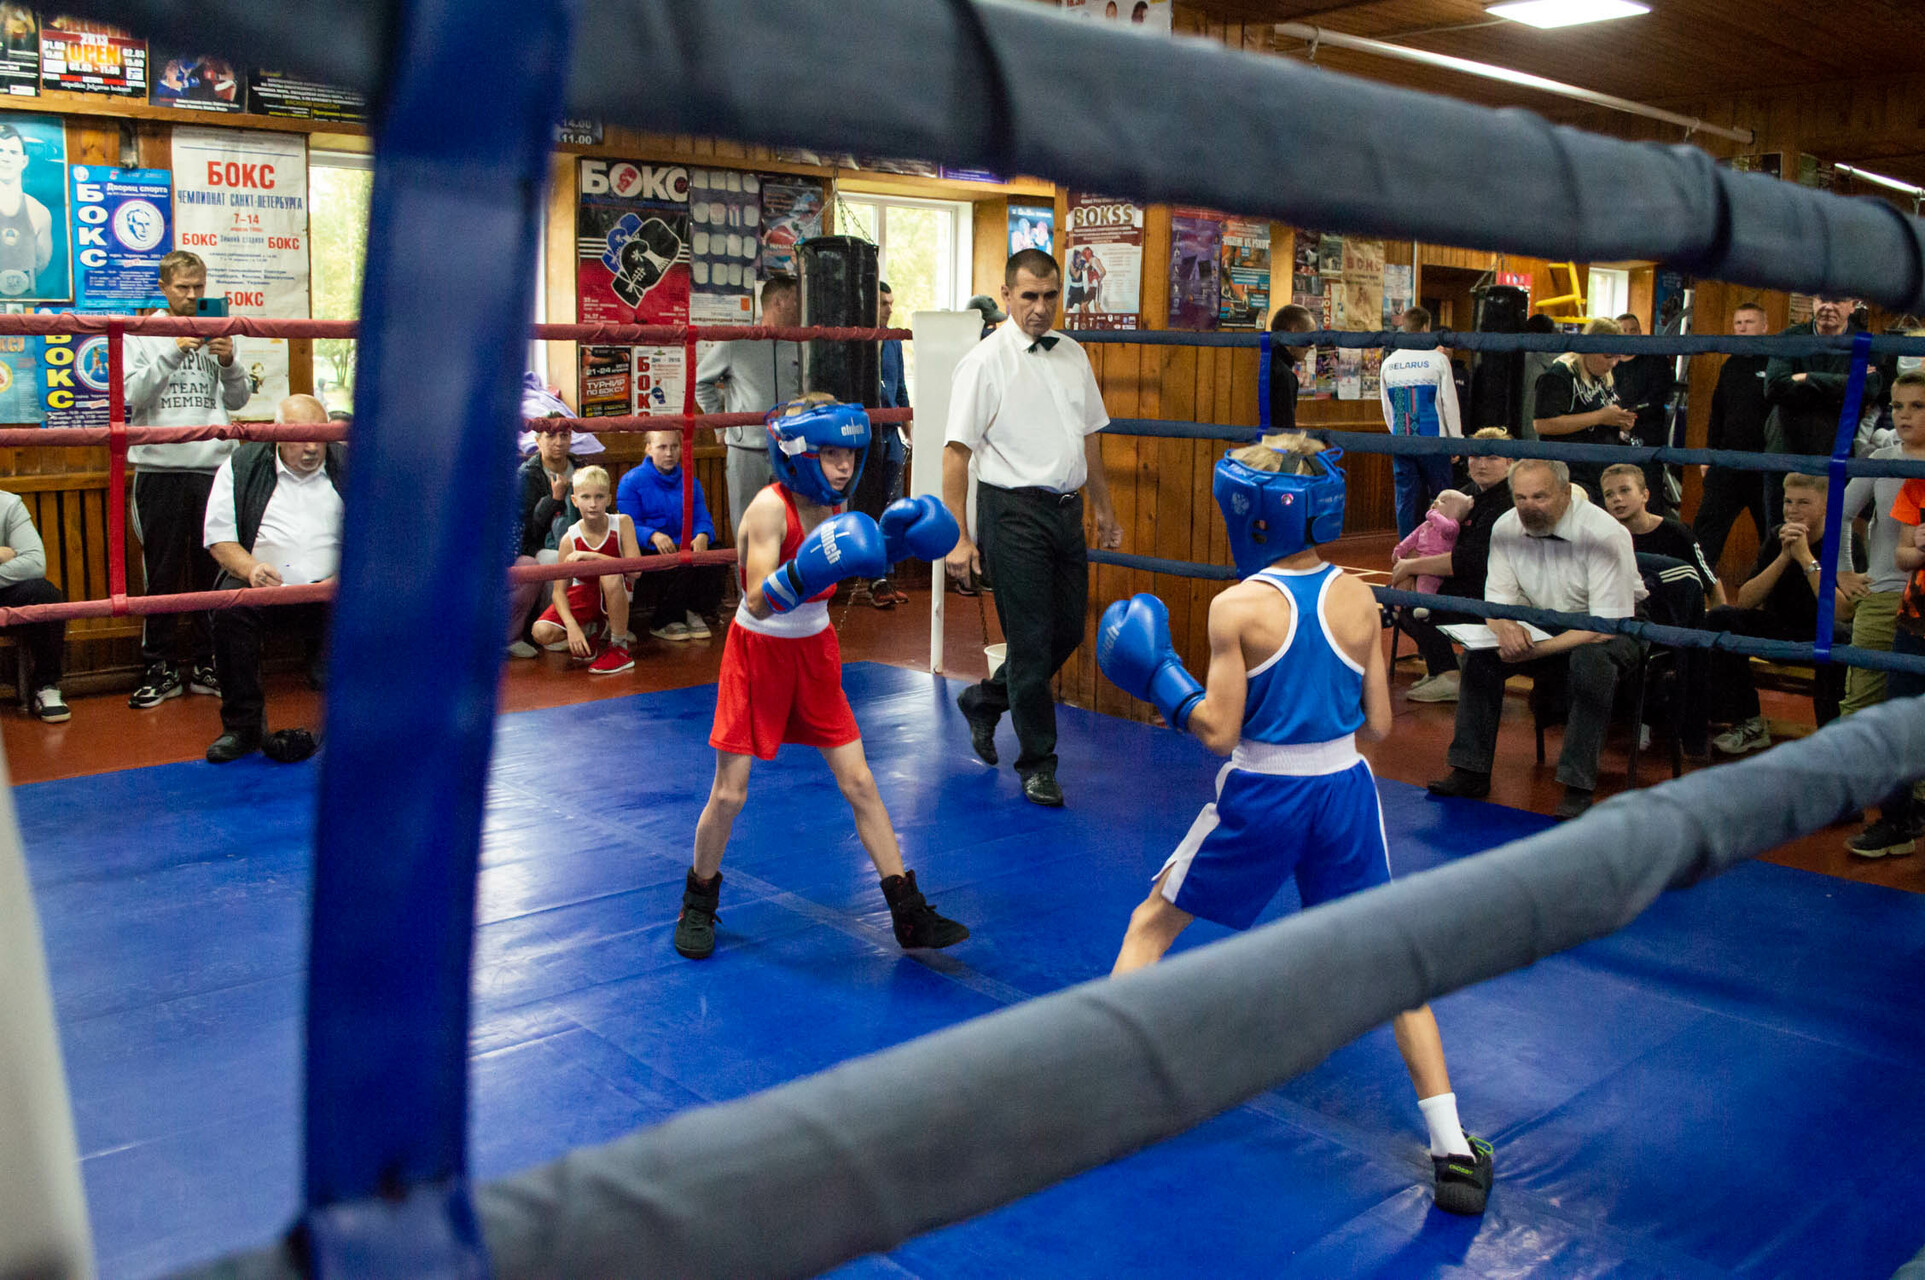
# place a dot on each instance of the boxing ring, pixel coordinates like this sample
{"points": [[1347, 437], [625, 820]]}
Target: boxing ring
{"points": [[981, 1113]]}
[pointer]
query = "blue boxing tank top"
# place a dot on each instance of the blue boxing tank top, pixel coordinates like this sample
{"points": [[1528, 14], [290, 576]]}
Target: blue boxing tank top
{"points": [[1309, 690]]}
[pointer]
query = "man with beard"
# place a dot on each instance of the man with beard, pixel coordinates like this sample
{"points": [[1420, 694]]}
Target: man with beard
{"points": [[1548, 552]]}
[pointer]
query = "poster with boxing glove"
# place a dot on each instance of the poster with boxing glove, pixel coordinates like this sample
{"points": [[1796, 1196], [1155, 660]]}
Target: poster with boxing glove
{"points": [[632, 234]]}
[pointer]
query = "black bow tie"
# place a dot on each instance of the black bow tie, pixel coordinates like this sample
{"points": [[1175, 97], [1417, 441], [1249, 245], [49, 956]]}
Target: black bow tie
{"points": [[1043, 344]]}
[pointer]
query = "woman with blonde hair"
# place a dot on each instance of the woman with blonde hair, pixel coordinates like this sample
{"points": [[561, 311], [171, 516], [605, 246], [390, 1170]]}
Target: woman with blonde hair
{"points": [[1576, 404]]}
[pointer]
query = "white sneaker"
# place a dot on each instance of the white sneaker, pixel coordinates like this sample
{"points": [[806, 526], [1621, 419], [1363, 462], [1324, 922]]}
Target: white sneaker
{"points": [[49, 706], [1644, 737], [697, 629], [670, 631], [1749, 736], [1441, 687], [522, 649]]}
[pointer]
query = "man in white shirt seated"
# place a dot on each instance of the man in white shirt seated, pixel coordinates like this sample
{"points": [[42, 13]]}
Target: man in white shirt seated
{"points": [[1549, 552], [273, 519]]}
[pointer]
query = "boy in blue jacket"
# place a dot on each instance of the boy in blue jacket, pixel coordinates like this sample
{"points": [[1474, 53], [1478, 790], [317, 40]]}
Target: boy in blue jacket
{"points": [[651, 496]]}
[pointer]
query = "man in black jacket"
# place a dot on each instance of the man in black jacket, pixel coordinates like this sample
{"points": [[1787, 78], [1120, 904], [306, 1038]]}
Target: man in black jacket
{"points": [[273, 519], [1807, 393], [1644, 384], [1737, 422]]}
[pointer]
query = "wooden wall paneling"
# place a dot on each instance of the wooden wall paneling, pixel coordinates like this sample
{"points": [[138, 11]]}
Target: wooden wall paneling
{"points": [[990, 243], [1129, 491], [93, 518], [1175, 468], [559, 274], [1203, 515]]}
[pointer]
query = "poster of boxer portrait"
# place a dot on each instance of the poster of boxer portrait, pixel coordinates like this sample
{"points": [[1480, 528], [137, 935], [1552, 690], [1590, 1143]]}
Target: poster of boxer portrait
{"points": [[632, 242], [1103, 263], [122, 228], [1032, 226], [791, 213], [198, 82], [725, 244], [33, 210], [19, 51], [1196, 248]]}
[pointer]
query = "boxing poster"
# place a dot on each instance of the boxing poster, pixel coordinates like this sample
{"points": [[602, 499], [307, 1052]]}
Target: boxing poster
{"points": [[240, 202], [74, 385], [1140, 15], [1360, 302], [1032, 226], [121, 230], [632, 237], [607, 386], [20, 402], [1196, 249], [791, 213], [19, 52], [660, 380], [34, 266], [276, 93], [91, 57], [1400, 294], [1245, 300], [1103, 263], [725, 245], [198, 82]]}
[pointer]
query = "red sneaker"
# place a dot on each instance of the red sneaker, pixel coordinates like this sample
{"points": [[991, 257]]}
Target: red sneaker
{"points": [[613, 660]]}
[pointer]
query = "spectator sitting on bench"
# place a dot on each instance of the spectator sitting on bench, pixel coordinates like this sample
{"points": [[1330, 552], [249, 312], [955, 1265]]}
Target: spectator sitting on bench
{"points": [[651, 497], [23, 581], [1626, 495], [1779, 601]]}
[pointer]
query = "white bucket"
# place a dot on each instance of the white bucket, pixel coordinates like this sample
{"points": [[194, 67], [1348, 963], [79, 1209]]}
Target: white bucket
{"points": [[996, 653]]}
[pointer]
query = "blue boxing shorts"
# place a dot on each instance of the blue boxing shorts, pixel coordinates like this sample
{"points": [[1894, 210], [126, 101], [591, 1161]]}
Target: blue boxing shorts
{"points": [[1325, 827]]}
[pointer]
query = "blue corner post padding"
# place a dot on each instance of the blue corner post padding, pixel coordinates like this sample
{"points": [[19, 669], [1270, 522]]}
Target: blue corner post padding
{"points": [[1861, 353], [416, 646]]}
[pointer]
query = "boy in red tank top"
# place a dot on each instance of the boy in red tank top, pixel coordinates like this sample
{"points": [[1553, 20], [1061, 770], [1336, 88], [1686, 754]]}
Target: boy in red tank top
{"points": [[781, 679], [579, 602]]}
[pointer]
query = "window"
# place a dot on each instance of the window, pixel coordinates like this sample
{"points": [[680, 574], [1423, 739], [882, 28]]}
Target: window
{"points": [[923, 247], [340, 184], [1610, 291]]}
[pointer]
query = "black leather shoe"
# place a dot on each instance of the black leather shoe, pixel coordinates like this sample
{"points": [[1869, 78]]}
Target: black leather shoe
{"points": [[1040, 788], [232, 745], [1576, 800], [982, 734], [1464, 784]]}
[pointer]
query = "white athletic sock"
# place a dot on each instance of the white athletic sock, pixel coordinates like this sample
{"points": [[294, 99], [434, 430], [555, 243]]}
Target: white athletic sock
{"points": [[1446, 1133]]}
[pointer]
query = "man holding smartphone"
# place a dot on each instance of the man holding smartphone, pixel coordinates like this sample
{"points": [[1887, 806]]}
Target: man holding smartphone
{"points": [[178, 382]]}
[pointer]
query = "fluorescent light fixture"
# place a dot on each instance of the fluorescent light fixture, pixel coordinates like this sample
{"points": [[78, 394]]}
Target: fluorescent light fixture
{"points": [[1866, 175], [1547, 14]]}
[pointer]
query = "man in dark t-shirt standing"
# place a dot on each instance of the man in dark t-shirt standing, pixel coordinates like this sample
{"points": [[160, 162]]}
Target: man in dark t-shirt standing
{"points": [[1737, 422]]}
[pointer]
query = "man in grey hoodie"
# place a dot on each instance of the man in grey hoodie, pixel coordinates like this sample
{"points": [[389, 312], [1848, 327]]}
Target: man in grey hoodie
{"points": [[178, 382], [753, 377]]}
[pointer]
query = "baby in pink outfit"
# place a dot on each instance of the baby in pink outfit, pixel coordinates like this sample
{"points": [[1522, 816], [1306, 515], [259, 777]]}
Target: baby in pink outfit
{"points": [[1435, 536]]}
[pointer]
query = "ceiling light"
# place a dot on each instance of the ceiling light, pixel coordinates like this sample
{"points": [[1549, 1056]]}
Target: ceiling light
{"points": [[1546, 14]]}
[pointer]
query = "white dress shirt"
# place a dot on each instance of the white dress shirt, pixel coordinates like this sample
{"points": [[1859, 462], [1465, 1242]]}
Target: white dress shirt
{"points": [[300, 533], [1583, 565], [1024, 410]]}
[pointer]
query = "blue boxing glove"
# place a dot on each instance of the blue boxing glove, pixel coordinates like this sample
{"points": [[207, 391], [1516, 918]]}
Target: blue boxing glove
{"points": [[1133, 649], [844, 546], [919, 527]]}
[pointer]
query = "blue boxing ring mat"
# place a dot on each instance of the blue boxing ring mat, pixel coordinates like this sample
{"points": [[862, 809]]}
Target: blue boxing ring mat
{"points": [[1724, 1087]]}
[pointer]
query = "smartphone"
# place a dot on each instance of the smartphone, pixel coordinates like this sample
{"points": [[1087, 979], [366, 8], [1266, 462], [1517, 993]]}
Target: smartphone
{"points": [[210, 307]]}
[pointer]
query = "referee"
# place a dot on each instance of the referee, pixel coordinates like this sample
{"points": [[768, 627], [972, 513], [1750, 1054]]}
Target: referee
{"points": [[1026, 406]]}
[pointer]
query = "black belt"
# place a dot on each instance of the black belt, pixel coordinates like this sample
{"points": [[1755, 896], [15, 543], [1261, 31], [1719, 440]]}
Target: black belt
{"points": [[1036, 493]]}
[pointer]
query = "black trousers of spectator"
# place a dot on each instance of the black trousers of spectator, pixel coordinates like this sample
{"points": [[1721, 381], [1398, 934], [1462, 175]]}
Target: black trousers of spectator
{"points": [[695, 588], [1432, 643], [46, 642], [1589, 676], [170, 510], [239, 636], [1734, 698], [1727, 494], [881, 482], [1032, 545]]}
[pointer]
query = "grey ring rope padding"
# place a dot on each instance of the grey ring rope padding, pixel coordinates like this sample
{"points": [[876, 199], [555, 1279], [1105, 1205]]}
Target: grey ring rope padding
{"points": [[857, 1159], [1100, 109]]}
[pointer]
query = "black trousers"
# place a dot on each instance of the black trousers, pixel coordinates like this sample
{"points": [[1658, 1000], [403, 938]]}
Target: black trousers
{"points": [[1727, 494], [46, 642], [239, 635], [170, 508], [671, 593], [1589, 677], [1032, 545], [1734, 698]]}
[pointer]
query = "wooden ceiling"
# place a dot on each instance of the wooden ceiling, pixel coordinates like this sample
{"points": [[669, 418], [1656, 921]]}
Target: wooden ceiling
{"points": [[1857, 67]]}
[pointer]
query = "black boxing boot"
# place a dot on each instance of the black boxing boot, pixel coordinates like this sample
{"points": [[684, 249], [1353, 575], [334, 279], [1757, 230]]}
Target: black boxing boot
{"points": [[695, 927], [917, 924]]}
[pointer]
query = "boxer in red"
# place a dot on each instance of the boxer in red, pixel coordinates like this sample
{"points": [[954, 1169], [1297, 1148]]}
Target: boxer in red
{"points": [[781, 678]]}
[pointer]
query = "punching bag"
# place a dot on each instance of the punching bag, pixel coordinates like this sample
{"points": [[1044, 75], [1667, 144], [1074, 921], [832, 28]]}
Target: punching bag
{"points": [[839, 277], [1497, 379]]}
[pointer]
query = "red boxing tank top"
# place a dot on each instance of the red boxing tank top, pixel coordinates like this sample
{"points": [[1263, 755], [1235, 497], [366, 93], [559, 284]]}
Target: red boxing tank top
{"points": [[610, 545]]}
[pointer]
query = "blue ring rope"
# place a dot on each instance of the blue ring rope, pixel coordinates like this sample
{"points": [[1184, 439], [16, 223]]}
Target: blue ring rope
{"points": [[1835, 492]]}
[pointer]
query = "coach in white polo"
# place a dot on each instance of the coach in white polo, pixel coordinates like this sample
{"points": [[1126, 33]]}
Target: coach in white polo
{"points": [[1026, 406]]}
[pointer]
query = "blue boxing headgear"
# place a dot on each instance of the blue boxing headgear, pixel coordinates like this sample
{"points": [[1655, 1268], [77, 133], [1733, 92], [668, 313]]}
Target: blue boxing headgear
{"points": [[798, 432], [1271, 514]]}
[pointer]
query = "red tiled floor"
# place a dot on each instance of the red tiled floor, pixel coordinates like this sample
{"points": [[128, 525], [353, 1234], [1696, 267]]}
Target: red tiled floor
{"points": [[105, 734]]}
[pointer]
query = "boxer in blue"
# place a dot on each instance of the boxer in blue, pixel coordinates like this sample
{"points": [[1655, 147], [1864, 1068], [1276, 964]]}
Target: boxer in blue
{"points": [[1296, 677]]}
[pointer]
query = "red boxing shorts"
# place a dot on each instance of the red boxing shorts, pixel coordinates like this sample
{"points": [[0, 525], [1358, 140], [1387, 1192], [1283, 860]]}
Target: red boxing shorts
{"points": [[585, 601], [775, 690]]}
